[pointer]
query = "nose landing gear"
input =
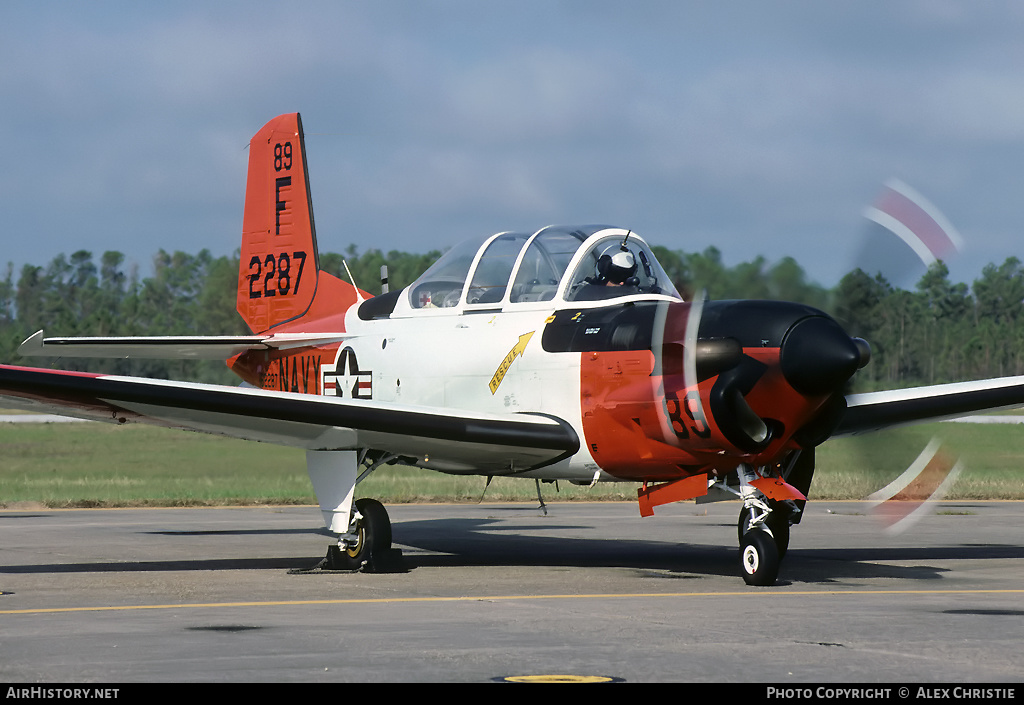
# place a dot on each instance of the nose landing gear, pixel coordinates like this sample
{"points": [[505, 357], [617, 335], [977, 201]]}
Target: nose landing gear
{"points": [[764, 523]]}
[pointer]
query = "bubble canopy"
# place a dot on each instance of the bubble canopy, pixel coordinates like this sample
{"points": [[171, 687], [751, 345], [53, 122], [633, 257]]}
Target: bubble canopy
{"points": [[558, 263]]}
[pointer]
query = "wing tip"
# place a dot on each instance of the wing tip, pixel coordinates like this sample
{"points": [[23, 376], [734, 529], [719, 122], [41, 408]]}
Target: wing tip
{"points": [[32, 346]]}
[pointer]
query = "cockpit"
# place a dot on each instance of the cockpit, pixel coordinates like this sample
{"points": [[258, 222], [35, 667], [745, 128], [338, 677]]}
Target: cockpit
{"points": [[592, 263]]}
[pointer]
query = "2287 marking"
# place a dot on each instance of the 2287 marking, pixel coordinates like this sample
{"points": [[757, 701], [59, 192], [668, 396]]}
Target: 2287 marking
{"points": [[277, 279]]}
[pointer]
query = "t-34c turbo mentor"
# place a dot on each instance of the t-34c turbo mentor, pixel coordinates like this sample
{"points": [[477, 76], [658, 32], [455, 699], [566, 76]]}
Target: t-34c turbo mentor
{"points": [[564, 354]]}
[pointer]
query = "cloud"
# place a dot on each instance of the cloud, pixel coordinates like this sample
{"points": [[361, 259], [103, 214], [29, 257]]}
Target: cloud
{"points": [[758, 129]]}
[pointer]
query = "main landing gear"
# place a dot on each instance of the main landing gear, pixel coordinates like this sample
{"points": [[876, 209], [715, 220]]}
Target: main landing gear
{"points": [[363, 526], [367, 543]]}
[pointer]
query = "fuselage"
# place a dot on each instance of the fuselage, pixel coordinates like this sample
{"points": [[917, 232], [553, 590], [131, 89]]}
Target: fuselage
{"points": [[525, 324]]}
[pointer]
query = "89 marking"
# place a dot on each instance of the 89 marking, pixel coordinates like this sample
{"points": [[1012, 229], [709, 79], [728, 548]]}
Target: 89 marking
{"points": [[282, 156]]}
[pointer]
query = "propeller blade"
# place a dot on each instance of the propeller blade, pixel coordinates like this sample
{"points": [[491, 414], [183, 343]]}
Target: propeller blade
{"points": [[923, 235], [904, 501], [691, 355], [913, 232]]}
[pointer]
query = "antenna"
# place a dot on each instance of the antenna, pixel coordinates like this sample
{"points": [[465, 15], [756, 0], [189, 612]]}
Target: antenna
{"points": [[359, 296]]}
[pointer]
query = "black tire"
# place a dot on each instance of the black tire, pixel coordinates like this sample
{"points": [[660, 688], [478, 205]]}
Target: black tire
{"points": [[778, 524], [374, 537], [759, 558]]}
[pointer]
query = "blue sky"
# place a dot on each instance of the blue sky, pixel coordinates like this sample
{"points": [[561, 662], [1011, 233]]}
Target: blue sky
{"points": [[762, 128]]}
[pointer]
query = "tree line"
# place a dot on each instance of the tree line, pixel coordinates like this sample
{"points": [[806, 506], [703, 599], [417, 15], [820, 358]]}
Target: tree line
{"points": [[939, 332]]}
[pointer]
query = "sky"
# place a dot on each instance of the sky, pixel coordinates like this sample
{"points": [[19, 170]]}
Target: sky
{"points": [[760, 128]]}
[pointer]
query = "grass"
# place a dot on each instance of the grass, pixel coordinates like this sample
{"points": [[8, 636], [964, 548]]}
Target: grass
{"points": [[90, 464], [992, 456]]}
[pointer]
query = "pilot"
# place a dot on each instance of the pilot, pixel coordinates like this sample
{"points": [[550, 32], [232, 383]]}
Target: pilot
{"points": [[616, 267]]}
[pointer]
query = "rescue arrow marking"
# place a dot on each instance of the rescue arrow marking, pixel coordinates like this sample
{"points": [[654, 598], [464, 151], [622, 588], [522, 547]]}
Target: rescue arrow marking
{"points": [[517, 350]]}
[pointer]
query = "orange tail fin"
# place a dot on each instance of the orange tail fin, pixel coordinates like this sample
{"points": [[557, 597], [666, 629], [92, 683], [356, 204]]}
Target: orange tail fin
{"points": [[280, 284]]}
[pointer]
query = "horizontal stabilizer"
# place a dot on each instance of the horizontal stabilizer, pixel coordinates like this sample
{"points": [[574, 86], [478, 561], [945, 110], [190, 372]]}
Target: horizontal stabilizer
{"points": [[169, 347]]}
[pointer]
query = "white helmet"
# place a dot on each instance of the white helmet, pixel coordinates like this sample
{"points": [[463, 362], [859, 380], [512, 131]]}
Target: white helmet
{"points": [[616, 265]]}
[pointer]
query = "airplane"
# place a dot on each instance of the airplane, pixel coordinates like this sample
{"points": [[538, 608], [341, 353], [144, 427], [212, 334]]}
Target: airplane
{"points": [[562, 354]]}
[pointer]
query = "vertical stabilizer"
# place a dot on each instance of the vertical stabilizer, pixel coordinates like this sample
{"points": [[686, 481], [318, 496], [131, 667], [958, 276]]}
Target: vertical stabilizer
{"points": [[279, 278]]}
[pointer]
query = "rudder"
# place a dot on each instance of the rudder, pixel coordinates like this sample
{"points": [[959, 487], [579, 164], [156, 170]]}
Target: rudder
{"points": [[279, 274]]}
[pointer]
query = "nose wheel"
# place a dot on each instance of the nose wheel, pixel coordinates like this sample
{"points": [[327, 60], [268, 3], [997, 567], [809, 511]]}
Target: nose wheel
{"points": [[777, 523], [759, 558], [762, 528]]}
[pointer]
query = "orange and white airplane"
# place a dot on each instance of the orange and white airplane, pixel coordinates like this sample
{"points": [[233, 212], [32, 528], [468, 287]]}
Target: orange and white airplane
{"points": [[564, 354]]}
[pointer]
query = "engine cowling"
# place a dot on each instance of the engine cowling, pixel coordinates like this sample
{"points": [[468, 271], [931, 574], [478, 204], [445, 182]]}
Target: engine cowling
{"points": [[769, 377]]}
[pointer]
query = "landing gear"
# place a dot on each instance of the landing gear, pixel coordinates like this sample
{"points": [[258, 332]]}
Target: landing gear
{"points": [[764, 521], [763, 543], [776, 522], [363, 527], [367, 541], [759, 558]]}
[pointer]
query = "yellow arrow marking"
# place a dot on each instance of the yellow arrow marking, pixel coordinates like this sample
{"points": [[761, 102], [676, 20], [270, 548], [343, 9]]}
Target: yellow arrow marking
{"points": [[517, 350]]}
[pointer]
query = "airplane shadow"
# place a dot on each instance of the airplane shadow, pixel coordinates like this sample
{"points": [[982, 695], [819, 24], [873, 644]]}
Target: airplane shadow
{"points": [[239, 532], [475, 542], [157, 566], [479, 542]]}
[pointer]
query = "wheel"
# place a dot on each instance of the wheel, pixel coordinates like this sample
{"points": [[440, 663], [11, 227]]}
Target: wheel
{"points": [[759, 558], [373, 536], [778, 525], [373, 530]]}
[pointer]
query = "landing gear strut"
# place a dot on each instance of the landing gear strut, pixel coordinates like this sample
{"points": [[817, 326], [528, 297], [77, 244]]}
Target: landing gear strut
{"points": [[776, 522], [363, 527]]}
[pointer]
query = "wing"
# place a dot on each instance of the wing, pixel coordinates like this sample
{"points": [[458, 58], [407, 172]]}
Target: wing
{"points": [[441, 439], [901, 407]]}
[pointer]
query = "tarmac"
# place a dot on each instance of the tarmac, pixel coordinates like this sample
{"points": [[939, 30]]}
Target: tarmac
{"points": [[489, 592]]}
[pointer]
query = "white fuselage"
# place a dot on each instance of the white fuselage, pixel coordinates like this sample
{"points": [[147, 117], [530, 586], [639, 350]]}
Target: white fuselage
{"points": [[476, 360]]}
